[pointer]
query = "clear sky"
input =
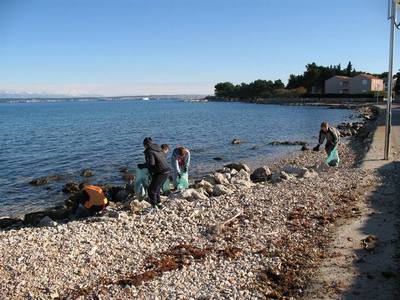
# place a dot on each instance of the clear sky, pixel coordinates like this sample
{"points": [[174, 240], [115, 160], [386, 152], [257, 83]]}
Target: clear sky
{"points": [[130, 47]]}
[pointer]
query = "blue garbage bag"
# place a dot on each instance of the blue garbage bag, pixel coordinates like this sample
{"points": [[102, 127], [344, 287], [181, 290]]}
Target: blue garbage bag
{"points": [[182, 182], [333, 158], [142, 182]]}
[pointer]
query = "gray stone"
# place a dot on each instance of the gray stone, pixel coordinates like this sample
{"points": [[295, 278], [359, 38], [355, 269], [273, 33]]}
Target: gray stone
{"points": [[298, 171], [8, 222], [192, 195], [48, 222], [261, 174], [238, 167], [137, 206], [220, 189], [220, 178]]}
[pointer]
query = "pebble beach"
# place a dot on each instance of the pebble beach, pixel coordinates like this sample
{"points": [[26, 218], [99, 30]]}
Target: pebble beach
{"points": [[228, 237]]}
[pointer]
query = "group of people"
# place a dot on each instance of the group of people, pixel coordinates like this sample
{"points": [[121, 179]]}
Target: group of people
{"points": [[91, 198], [157, 165]]}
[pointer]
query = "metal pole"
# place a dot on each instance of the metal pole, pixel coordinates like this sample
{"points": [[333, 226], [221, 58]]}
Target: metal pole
{"points": [[390, 80]]}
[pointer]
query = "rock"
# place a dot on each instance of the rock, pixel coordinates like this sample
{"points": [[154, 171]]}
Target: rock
{"points": [[304, 148], [87, 173], [39, 181], [241, 175], [255, 147], [217, 158], [210, 178], [136, 205], [244, 183], [220, 189], [192, 195], [286, 176], [202, 184], [279, 176], [120, 196], [234, 172], [45, 180], [220, 178], [34, 218], [261, 174], [57, 213], [48, 222], [276, 177], [289, 143], [235, 141], [238, 167], [71, 187], [310, 174], [298, 171], [8, 222]]}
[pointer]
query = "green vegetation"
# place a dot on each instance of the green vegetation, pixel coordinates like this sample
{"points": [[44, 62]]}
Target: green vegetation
{"points": [[311, 81]]}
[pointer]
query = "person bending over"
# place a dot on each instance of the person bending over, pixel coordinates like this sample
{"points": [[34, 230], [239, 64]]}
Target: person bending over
{"points": [[88, 201], [180, 162], [331, 135]]}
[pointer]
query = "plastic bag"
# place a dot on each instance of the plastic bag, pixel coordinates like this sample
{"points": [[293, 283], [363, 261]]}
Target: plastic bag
{"points": [[333, 158], [182, 182], [166, 188], [142, 182]]}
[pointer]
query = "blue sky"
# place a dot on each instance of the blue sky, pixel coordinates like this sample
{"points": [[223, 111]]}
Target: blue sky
{"points": [[123, 47]]}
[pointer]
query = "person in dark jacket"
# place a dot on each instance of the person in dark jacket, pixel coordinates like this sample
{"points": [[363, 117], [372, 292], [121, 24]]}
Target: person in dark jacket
{"points": [[156, 163], [331, 135]]}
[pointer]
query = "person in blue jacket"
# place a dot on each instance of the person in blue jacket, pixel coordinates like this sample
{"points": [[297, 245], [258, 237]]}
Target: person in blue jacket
{"points": [[180, 161]]}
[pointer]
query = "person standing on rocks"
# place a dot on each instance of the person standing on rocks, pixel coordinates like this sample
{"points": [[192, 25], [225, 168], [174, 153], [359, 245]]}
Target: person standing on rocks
{"points": [[331, 135], [156, 163], [180, 162], [88, 201]]}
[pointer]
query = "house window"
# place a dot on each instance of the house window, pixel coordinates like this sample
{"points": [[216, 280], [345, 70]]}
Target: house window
{"points": [[364, 82]]}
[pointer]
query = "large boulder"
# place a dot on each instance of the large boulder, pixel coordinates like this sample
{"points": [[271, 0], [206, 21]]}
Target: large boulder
{"points": [[220, 189], [8, 222], [238, 167], [261, 174], [193, 195], [220, 178]]}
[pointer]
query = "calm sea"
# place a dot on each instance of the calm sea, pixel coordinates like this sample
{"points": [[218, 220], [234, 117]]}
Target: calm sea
{"points": [[40, 139]]}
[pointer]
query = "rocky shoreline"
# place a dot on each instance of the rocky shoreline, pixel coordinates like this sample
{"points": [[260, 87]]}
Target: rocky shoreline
{"points": [[234, 234]]}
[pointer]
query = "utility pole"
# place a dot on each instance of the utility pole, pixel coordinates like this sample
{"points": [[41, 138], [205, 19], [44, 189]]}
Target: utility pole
{"points": [[392, 8]]}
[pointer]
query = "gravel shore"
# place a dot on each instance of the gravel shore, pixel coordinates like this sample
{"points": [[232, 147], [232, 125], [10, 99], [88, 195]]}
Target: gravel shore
{"points": [[253, 241]]}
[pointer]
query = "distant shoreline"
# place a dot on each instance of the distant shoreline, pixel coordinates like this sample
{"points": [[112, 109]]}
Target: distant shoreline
{"points": [[346, 103]]}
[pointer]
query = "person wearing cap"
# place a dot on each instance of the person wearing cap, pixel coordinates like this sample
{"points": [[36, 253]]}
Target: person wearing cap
{"points": [[331, 135], [180, 162], [156, 163]]}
